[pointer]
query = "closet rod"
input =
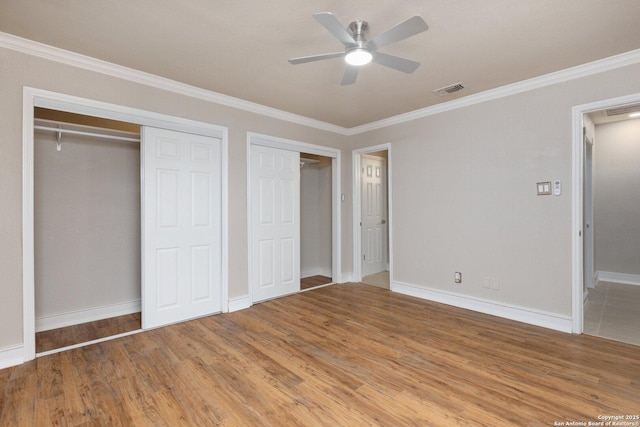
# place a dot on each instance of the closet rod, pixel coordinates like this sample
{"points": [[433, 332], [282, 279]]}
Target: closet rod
{"points": [[97, 135]]}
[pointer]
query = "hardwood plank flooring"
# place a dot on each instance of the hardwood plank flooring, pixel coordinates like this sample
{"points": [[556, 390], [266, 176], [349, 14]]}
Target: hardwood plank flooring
{"points": [[313, 281], [76, 334], [341, 355]]}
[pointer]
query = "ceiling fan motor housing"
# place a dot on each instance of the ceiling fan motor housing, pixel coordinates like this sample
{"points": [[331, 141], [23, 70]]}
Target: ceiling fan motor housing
{"points": [[359, 28], [358, 54]]}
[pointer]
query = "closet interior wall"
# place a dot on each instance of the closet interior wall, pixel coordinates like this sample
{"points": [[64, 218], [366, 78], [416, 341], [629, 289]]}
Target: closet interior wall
{"points": [[87, 221], [315, 216]]}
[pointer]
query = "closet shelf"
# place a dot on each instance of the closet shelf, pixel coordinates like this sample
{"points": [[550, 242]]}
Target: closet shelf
{"points": [[74, 129], [97, 135]]}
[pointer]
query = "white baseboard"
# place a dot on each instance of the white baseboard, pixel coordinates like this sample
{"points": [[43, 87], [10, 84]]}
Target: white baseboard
{"points": [[310, 272], [346, 278], [61, 320], [545, 319], [608, 276], [239, 303], [596, 278], [11, 356]]}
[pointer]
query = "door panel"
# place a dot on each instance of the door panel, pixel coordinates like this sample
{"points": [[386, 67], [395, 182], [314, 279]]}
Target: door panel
{"points": [[373, 219], [201, 195], [200, 272], [275, 229], [167, 268], [182, 231], [167, 199]]}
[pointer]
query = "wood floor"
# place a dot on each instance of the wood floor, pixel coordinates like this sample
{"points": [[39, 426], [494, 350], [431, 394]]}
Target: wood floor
{"points": [[76, 334], [313, 281], [343, 355]]}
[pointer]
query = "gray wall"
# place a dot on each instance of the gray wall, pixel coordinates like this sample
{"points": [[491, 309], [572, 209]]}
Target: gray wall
{"points": [[315, 218], [463, 183], [19, 70], [464, 194], [617, 197], [87, 223]]}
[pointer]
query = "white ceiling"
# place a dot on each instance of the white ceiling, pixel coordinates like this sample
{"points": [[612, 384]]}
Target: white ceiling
{"points": [[240, 48]]}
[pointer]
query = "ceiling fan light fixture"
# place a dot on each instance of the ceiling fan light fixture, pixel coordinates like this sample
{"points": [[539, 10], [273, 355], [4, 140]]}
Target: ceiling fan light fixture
{"points": [[358, 56]]}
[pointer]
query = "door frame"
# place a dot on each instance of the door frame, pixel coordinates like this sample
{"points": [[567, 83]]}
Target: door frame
{"points": [[32, 98], [588, 252], [254, 138], [356, 156], [385, 243], [577, 202]]}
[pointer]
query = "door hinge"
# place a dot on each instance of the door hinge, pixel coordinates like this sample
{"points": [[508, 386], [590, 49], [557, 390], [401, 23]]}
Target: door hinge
{"points": [[364, 257]]}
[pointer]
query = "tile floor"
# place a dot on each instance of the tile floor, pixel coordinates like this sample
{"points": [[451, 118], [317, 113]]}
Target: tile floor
{"points": [[613, 311]]}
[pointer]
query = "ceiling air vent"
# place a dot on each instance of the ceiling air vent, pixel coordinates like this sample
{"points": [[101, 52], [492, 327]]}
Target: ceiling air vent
{"points": [[449, 89], [627, 109]]}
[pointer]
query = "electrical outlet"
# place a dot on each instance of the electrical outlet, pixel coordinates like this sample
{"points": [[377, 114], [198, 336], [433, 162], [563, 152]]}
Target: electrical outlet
{"points": [[491, 283], [457, 277]]}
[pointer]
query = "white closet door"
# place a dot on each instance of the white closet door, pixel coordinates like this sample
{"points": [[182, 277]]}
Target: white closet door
{"points": [[275, 232], [182, 232], [374, 224]]}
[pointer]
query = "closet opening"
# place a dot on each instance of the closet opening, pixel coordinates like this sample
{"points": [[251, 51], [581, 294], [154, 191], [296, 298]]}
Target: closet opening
{"points": [[315, 221], [293, 222], [177, 247], [87, 227]]}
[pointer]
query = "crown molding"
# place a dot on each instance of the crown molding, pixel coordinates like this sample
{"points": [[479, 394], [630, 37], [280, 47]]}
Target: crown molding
{"points": [[590, 68], [74, 59], [41, 50]]}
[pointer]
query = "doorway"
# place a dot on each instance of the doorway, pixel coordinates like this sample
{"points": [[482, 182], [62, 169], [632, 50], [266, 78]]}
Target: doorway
{"points": [[315, 221], [280, 238], [87, 228], [166, 147], [372, 214], [606, 202]]}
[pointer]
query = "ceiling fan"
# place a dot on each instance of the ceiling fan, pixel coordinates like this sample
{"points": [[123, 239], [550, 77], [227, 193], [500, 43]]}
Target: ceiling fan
{"points": [[360, 51]]}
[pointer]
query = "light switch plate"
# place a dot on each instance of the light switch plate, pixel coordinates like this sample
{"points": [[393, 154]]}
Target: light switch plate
{"points": [[544, 188]]}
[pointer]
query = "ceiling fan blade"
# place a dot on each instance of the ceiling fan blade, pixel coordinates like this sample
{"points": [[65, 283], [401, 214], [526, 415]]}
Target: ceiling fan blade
{"points": [[405, 65], [303, 59], [350, 75], [403, 30], [331, 23]]}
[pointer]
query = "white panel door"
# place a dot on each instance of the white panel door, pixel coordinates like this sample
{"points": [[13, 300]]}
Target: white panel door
{"points": [[182, 231], [275, 222], [374, 213]]}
